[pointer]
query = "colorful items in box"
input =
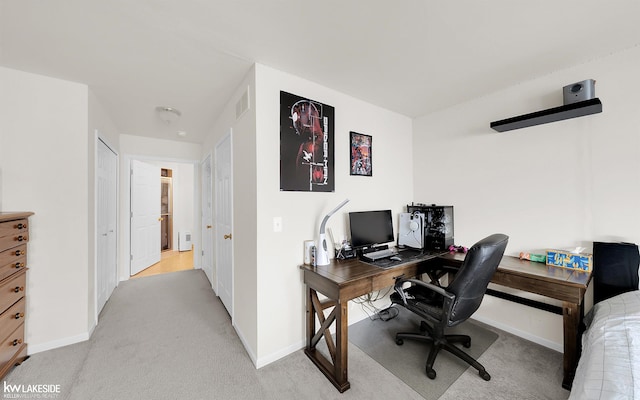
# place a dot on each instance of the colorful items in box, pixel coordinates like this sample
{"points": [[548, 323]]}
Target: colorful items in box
{"points": [[565, 259]]}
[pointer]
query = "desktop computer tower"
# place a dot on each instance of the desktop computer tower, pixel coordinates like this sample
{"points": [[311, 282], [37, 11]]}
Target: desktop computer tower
{"points": [[438, 225]]}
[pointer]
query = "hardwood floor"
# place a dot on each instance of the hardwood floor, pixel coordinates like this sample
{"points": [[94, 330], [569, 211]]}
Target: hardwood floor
{"points": [[170, 261]]}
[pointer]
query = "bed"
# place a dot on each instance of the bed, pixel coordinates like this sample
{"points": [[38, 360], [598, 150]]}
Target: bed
{"points": [[609, 367]]}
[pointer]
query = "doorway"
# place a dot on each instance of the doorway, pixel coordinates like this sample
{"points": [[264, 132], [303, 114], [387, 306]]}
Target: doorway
{"points": [[207, 218], [224, 221], [107, 216], [166, 209], [175, 200]]}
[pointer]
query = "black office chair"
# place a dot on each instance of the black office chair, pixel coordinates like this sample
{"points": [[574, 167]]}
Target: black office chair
{"points": [[443, 307]]}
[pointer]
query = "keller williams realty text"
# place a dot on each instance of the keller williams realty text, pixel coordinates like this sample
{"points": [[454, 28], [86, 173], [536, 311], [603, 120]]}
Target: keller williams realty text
{"points": [[31, 388]]}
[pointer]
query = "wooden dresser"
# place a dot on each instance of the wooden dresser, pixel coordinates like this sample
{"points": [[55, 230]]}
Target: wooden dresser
{"points": [[14, 235]]}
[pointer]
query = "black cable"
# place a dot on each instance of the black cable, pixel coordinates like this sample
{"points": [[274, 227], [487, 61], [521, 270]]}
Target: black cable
{"points": [[373, 312]]}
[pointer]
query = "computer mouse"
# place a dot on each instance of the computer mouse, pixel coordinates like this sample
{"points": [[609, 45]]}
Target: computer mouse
{"points": [[395, 258]]}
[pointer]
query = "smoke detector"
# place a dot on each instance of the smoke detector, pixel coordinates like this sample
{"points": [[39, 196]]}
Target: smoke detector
{"points": [[168, 115]]}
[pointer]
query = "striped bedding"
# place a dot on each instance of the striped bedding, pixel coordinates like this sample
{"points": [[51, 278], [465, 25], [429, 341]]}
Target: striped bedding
{"points": [[609, 367]]}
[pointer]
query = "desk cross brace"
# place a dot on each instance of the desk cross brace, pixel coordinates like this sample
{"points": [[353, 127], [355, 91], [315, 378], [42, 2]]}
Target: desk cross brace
{"points": [[336, 368], [318, 309]]}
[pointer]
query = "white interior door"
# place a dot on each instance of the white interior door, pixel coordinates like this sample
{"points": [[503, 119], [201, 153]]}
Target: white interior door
{"points": [[207, 219], [224, 222], [145, 215], [107, 199]]}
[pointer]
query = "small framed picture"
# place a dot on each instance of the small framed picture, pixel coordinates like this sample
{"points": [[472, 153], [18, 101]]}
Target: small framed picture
{"points": [[360, 154]]}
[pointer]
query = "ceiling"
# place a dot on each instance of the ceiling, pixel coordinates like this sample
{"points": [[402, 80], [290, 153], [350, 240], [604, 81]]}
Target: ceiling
{"points": [[409, 56]]}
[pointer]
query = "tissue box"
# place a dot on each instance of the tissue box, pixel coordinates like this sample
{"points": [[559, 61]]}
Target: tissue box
{"points": [[565, 259]]}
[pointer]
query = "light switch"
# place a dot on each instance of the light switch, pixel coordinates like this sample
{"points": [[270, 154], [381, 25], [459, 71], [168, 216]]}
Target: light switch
{"points": [[277, 224]]}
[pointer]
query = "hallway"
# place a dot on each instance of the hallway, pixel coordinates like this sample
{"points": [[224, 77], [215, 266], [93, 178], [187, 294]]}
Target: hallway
{"points": [[171, 261]]}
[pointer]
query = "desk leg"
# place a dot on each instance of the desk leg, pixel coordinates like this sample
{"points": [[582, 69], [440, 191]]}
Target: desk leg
{"points": [[342, 344], [335, 369], [571, 322]]}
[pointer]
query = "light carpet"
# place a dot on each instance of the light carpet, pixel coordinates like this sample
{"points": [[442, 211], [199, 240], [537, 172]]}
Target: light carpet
{"points": [[169, 337], [377, 339]]}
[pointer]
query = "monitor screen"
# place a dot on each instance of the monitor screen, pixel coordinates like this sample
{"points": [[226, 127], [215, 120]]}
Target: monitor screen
{"points": [[370, 227]]}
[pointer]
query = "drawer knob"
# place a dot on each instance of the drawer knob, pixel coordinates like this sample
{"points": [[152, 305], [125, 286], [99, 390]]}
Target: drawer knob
{"points": [[19, 289], [17, 342], [19, 315], [21, 226], [21, 238], [19, 253], [19, 265]]}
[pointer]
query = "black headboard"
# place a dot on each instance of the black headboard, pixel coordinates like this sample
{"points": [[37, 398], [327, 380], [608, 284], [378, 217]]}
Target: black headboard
{"points": [[615, 269]]}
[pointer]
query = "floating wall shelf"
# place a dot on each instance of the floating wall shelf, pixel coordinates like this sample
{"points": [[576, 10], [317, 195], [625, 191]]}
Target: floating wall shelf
{"points": [[579, 109]]}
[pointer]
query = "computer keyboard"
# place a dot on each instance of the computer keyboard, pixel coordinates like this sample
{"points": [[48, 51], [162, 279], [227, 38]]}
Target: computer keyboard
{"points": [[376, 255]]}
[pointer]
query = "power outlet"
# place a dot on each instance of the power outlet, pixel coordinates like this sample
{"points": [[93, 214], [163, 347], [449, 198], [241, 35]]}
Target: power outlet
{"points": [[277, 224]]}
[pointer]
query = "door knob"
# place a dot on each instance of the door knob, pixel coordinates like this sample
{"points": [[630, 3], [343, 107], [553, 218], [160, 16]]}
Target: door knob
{"points": [[227, 236], [208, 226]]}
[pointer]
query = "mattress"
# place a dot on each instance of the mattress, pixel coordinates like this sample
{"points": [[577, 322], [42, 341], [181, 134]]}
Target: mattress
{"points": [[609, 367]]}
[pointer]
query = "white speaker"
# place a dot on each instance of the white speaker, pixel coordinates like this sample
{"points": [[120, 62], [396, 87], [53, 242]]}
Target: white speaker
{"points": [[411, 230]]}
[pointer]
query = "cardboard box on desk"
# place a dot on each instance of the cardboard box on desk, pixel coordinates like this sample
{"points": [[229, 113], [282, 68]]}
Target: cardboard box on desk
{"points": [[565, 259]]}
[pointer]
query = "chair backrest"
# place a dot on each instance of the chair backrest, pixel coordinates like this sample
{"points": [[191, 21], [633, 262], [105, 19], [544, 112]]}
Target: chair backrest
{"points": [[472, 279], [615, 269]]}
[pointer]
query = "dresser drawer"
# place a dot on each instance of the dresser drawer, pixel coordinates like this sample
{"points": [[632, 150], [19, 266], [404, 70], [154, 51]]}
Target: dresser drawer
{"points": [[12, 261], [13, 233], [12, 318], [13, 290], [11, 344], [12, 227], [8, 255]]}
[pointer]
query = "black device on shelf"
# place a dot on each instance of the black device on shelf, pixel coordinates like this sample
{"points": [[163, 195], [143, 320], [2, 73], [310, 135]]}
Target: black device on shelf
{"points": [[370, 230], [567, 111], [438, 225]]}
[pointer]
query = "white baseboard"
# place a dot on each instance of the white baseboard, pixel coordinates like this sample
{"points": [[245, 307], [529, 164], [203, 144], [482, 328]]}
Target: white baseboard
{"points": [[54, 344], [250, 352], [263, 361], [559, 347]]}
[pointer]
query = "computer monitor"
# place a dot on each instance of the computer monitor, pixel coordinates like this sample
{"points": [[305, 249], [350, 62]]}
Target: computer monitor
{"points": [[370, 228]]}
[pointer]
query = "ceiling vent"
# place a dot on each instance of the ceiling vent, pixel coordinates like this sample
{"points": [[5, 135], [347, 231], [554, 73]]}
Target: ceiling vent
{"points": [[243, 104]]}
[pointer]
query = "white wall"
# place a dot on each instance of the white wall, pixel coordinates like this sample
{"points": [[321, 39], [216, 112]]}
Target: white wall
{"points": [[154, 150], [245, 170], [558, 185], [43, 161], [280, 289]]}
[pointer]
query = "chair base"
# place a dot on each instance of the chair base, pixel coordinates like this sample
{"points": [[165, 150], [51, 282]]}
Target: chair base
{"points": [[445, 342]]}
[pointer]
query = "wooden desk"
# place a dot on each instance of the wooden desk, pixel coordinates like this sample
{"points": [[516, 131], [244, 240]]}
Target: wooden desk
{"points": [[563, 284], [341, 281]]}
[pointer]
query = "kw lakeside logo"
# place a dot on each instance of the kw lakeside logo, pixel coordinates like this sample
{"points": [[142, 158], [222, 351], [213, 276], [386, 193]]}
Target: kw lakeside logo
{"points": [[38, 391]]}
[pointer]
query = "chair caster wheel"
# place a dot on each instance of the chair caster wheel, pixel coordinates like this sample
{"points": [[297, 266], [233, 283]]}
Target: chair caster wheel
{"points": [[467, 344], [431, 373], [484, 375], [399, 342]]}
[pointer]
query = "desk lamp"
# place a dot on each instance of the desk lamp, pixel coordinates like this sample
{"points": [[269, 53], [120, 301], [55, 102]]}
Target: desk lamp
{"points": [[322, 255]]}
